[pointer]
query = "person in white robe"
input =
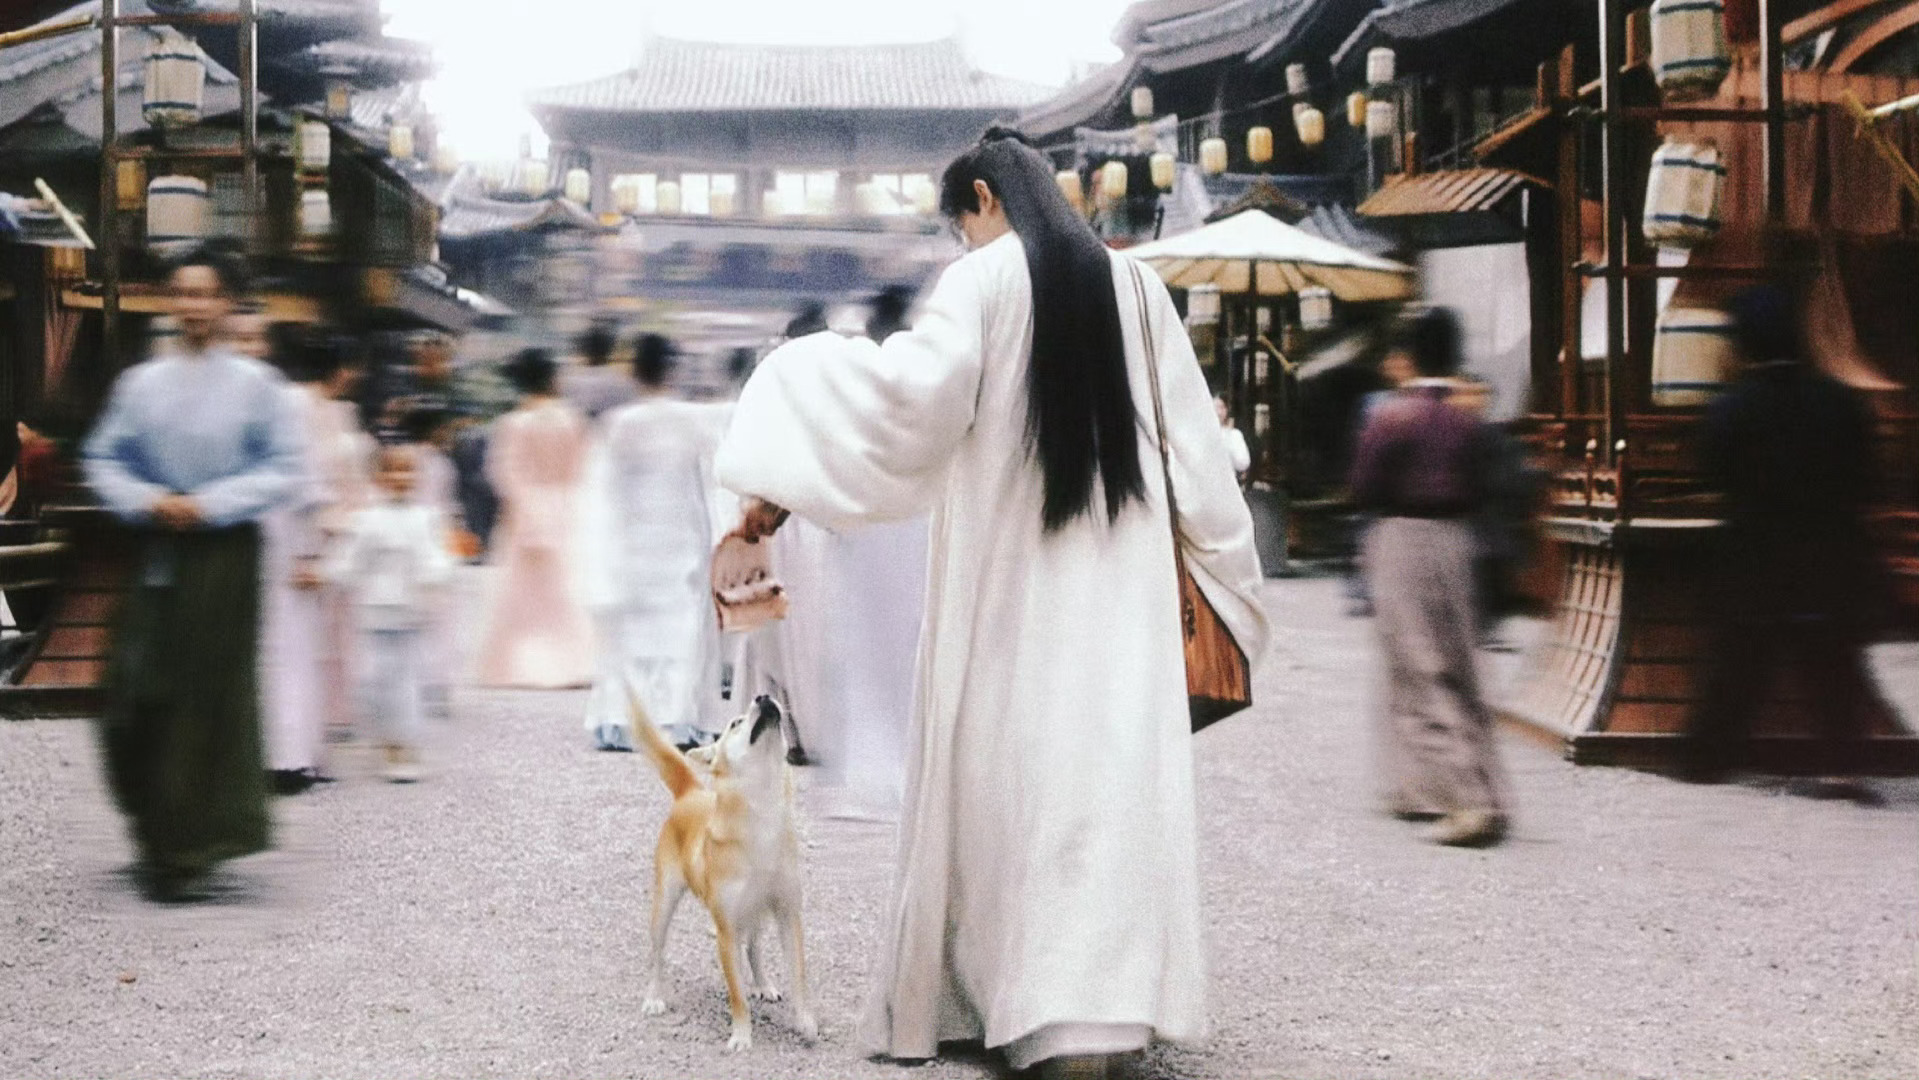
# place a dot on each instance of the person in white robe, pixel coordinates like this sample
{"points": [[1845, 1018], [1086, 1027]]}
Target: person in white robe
{"points": [[645, 561], [1047, 899]]}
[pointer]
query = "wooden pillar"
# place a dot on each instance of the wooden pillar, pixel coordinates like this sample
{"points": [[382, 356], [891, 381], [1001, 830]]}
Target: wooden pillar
{"points": [[109, 196], [1571, 242]]}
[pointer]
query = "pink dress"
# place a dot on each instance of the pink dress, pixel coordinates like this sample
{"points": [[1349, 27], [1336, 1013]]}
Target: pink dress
{"points": [[537, 634]]}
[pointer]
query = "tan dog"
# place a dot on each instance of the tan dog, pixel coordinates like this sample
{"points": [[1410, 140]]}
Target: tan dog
{"points": [[730, 839]]}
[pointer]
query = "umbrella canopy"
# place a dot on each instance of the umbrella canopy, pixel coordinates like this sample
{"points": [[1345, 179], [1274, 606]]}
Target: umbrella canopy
{"points": [[1254, 251]]}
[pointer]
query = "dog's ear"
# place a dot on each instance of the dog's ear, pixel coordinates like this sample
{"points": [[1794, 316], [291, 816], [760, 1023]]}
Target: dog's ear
{"points": [[766, 717]]}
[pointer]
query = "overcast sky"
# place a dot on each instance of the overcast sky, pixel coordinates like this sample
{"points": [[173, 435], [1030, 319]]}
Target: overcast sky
{"points": [[488, 61]]}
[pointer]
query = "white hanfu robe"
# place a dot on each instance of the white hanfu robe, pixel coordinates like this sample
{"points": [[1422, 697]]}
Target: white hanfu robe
{"points": [[293, 638], [645, 568], [1048, 889]]}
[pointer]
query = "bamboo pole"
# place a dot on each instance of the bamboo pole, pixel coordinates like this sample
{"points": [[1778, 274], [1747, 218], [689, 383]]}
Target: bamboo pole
{"points": [[51, 30]]}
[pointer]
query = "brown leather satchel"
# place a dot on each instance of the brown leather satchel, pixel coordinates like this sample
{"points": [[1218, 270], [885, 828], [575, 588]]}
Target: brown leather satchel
{"points": [[1219, 680], [746, 595]]}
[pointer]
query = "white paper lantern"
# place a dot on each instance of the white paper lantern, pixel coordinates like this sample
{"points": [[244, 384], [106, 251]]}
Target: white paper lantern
{"points": [[176, 79], [1296, 83], [1380, 66], [1202, 305], [579, 186], [1212, 156], [1113, 180], [667, 195], [1382, 119], [445, 158], [313, 146], [176, 209], [534, 179], [1356, 103], [399, 142], [1071, 187], [1689, 55], [1311, 125], [316, 213], [626, 194], [1315, 308], [721, 203], [1683, 192], [1163, 172], [1142, 102], [1259, 144], [1693, 355]]}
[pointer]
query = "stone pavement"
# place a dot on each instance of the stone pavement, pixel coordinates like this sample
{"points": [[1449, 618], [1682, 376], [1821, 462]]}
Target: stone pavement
{"points": [[489, 922]]}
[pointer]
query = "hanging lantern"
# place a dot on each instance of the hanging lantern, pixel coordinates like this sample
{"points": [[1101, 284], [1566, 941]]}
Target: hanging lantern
{"points": [[399, 142], [1311, 125], [1296, 83], [1315, 308], [1202, 305], [313, 146], [1262, 418], [316, 213], [1259, 144], [667, 195], [176, 81], [1070, 186], [130, 183], [1142, 102], [1693, 355], [1689, 56], [1162, 165], [176, 209], [626, 194], [1212, 156], [720, 203], [445, 158], [1380, 66], [1356, 109], [339, 94], [1113, 180], [534, 181], [1382, 120], [1683, 193], [579, 186]]}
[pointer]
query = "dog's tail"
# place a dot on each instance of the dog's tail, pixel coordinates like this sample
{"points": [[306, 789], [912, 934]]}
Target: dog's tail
{"points": [[678, 772]]}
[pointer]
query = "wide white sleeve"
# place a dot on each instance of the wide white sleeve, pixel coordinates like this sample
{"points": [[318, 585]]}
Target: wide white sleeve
{"points": [[1215, 526], [847, 433], [598, 570]]}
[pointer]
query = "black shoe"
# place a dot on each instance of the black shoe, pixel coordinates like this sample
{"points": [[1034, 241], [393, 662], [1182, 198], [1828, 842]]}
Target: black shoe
{"points": [[289, 781]]}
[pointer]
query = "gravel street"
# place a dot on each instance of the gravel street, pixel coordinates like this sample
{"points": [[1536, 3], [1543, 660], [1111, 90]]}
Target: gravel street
{"points": [[490, 921]]}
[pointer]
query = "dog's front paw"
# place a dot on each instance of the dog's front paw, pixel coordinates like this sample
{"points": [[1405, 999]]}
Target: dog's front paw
{"points": [[767, 993], [652, 1006], [808, 1026], [742, 1040]]}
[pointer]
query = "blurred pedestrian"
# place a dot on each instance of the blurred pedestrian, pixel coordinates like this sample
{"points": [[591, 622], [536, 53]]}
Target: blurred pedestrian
{"points": [[1797, 580], [1048, 892], [193, 448], [594, 384], [1235, 439], [393, 560], [1395, 371], [1420, 471], [537, 634], [430, 433], [649, 544]]}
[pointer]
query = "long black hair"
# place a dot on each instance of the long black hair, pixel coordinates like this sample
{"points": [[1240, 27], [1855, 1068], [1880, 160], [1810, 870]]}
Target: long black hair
{"points": [[1079, 405]]}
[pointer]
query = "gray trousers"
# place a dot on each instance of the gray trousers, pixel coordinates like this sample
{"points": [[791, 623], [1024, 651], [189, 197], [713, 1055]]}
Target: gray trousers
{"points": [[394, 689], [1435, 733]]}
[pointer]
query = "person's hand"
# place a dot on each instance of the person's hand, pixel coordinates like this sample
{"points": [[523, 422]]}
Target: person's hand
{"points": [[178, 512], [759, 518]]}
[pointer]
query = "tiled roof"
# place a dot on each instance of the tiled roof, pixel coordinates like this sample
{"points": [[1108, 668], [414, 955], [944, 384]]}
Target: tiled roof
{"points": [[64, 72], [688, 76], [1458, 191], [1343, 227], [466, 217], [1414, 20]]}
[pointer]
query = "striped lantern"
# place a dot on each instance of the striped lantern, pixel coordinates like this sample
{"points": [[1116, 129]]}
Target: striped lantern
{"points": [[1202, 305], [1689, 55], [1259, 144], [1310, 123], [1296, 83], [1356, 109], [1381, 66], [579, 186], [176, 80], [316, 213], [1113, 180], [1693, 356], [1161, 165], [313, 146], [399, 142], [1683, 192], [1315, 308], [1382, 120], [1070, 186], [1142, 103], [1212, 156], [177, 208]]}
